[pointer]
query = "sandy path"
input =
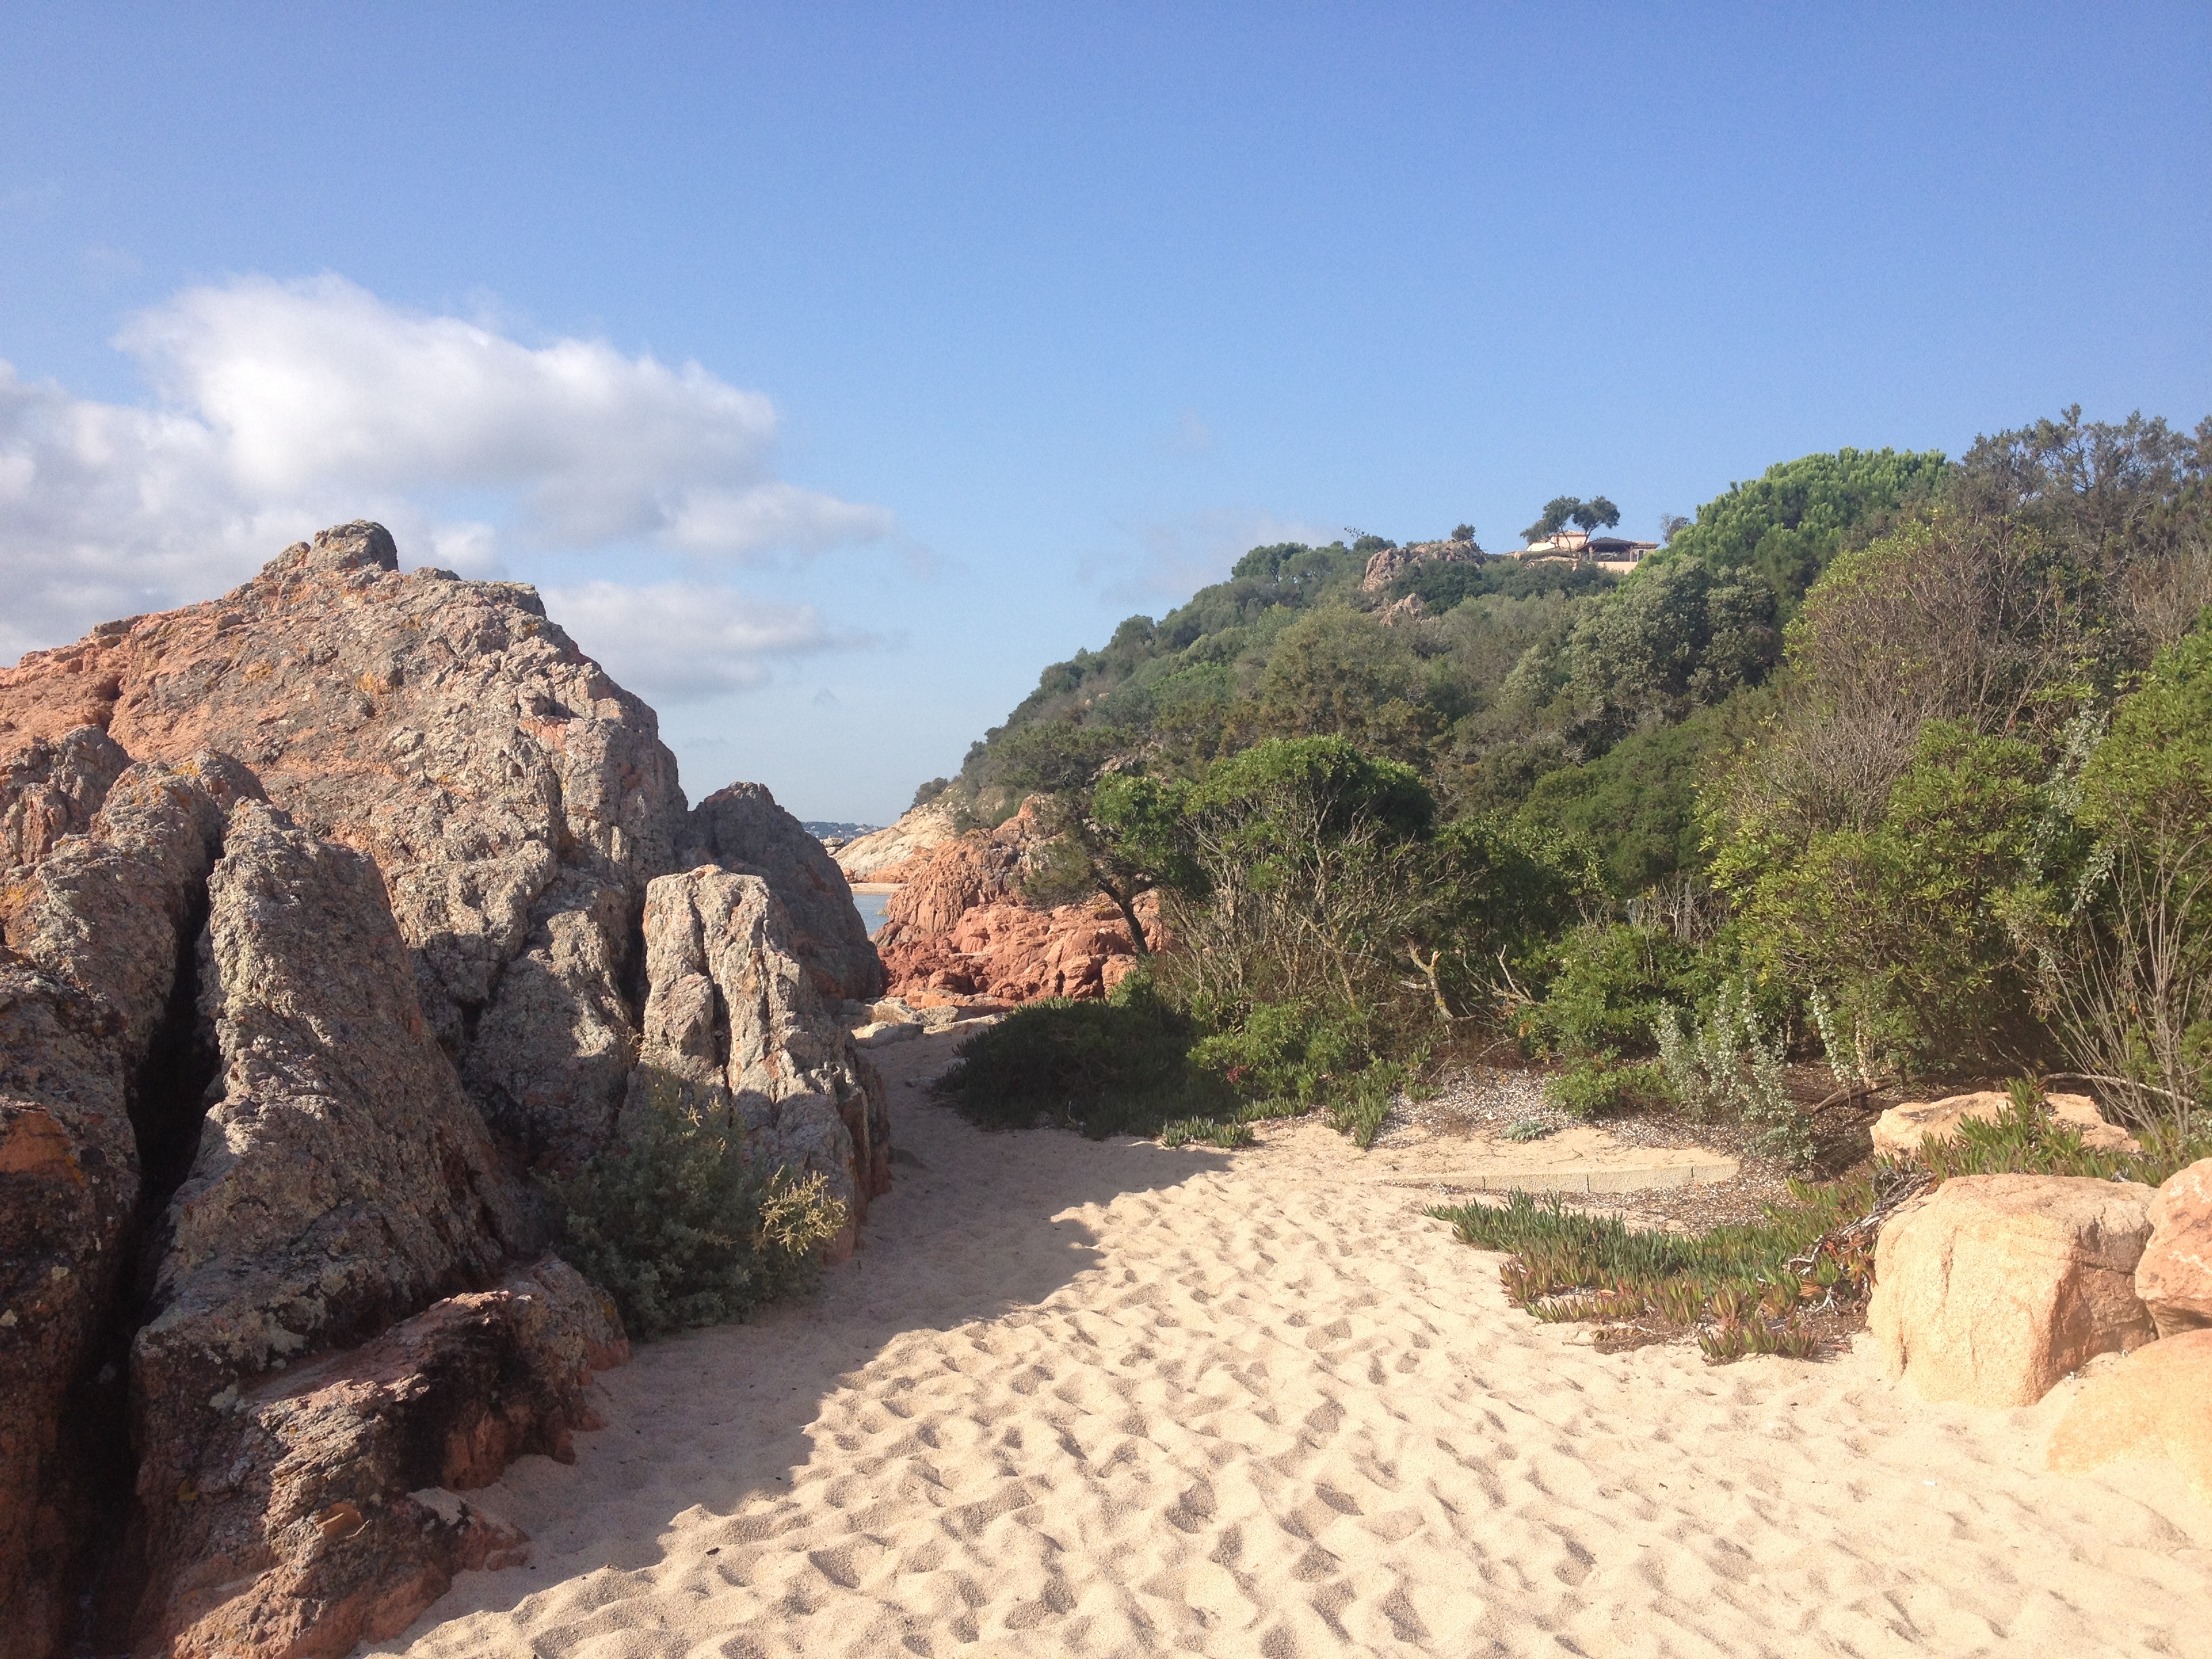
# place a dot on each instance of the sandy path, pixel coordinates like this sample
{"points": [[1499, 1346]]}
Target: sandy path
{"points": [[1091, 1399]]}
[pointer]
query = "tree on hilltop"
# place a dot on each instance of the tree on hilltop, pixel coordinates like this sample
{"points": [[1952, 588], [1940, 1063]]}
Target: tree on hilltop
{"points": [[1556, 512], [1594, 514]]}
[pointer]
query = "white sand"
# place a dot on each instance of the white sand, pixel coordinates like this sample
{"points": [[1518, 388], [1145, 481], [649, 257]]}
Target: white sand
{"points": [[1089, 1399]]}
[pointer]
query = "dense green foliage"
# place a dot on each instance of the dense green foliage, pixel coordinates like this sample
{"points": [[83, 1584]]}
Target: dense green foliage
{"points": [[1119, 1066], [1913, 753], [681, 1231]]}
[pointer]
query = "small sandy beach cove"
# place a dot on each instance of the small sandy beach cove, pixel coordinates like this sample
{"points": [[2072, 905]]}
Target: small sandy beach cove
{"points": [[1079, 1398]]}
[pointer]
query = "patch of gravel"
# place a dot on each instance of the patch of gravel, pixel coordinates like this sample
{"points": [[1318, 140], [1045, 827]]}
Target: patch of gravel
{"points": [[1485, 1099]]}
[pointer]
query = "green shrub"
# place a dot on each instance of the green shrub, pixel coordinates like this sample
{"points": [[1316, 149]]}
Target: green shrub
{"points": [[1121, 1066], [1286, 1050], [1359, 1106], [1598, 1088], [1224, 1135], [1608, 983], [680, 1230]]}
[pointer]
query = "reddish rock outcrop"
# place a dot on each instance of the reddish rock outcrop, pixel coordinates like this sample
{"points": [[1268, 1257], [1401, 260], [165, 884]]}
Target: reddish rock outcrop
{"points": [[515, 797], [734, 1030], [95, 935], [402, 975], [1994, 1287], [2174, 1277], [958, 930], [742, 829], [2157, 1402], [336, 1515]]}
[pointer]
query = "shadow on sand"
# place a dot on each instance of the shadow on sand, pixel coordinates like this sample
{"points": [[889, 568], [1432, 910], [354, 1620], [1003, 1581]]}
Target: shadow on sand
{"points": [[975, 1227]]}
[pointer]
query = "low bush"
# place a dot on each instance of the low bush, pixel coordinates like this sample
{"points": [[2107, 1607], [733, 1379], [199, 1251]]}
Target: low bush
{"points": [[1224, 1135], [1121, 1066], [1731, 1067], [681, 1231], [1287, 1050], [1360, 1105], [1599, 1088]]}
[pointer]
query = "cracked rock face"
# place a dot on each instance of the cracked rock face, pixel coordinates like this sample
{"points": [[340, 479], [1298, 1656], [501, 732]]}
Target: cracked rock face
{"points": [[339, 1515], [517, 799], [734, 1030], [343, 1182], [741, 827], [93, 934]]}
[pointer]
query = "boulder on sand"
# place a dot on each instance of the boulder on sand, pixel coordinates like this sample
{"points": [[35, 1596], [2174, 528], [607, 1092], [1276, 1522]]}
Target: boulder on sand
{"points": [[742, 829], [338, 1517], [2157, 1402], [735, 1032], [2174, 1277], [1994, 1287], [1900, 1132]]}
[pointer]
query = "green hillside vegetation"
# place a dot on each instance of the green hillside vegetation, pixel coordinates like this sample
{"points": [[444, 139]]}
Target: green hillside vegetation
{"points": [[1898, 758]]}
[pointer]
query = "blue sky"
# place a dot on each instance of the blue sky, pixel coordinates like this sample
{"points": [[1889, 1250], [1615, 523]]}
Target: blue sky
{"points": [[833, 368]]}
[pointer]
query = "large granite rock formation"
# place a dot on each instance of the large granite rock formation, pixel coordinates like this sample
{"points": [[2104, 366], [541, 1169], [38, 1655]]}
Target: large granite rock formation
{"points": [[742, 829], [95, 935], [516, 799], [405, 963], [734, 1030], [958, 930]]}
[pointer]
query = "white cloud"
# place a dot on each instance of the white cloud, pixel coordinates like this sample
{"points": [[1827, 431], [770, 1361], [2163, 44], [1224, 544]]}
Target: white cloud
{"points": [[285, 406], [686, 641]]}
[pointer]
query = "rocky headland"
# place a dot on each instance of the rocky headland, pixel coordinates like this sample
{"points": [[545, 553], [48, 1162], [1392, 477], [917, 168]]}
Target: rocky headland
{"points": [[335, 910]]}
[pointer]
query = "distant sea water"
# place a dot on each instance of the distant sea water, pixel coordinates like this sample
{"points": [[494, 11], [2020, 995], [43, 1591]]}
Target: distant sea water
{"points": [[870, 907]]}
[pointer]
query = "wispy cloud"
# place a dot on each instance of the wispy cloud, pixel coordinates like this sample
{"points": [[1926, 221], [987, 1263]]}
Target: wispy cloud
{"points": [[280, 407], [684, 641], [1171, 559]]}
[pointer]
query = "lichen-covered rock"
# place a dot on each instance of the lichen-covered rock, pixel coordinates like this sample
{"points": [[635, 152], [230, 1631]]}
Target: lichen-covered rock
{"points": [[735, 1032], [515, 797], [342, 1181], [2157, 1402], [94, 933], [338, 1515], [2174, 1277], [51, 788], [1994, 1287], [741, 827]]}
